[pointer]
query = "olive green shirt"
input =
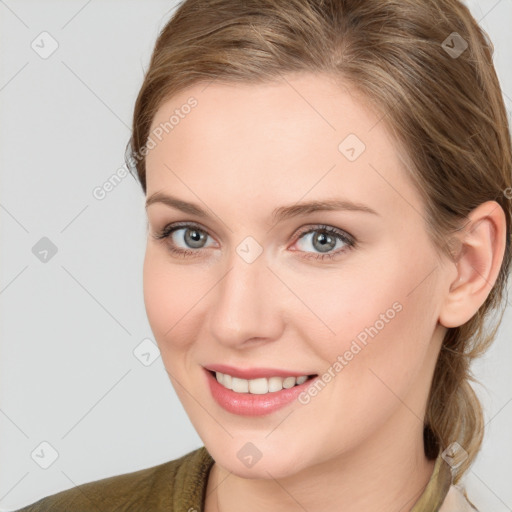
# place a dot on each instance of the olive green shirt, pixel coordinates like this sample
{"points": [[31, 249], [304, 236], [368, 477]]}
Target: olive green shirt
{"points": [[180, 486]]}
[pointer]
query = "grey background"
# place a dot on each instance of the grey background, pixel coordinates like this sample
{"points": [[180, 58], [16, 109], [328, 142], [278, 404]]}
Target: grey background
{"points": [[70, 325]]}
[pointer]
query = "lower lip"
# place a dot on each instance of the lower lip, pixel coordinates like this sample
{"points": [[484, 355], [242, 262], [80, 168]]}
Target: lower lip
{"points": [[248, 404]]}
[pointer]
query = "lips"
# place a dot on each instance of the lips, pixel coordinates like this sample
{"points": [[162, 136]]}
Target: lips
{"points": [[248, 404], [256, 373]]}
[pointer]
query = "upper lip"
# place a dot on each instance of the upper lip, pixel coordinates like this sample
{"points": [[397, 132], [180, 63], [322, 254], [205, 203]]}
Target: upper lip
{"points": [[254, 373]]}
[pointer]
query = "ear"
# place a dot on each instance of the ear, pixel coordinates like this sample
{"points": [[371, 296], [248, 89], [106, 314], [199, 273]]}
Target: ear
{"points": [[483, 243]]}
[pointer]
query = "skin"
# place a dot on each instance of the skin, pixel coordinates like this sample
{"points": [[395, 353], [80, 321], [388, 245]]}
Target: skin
{"points": [[243, 151]]}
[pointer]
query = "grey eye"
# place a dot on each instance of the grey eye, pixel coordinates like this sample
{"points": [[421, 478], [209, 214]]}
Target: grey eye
{"points": [[193, 237], [322, 241]]}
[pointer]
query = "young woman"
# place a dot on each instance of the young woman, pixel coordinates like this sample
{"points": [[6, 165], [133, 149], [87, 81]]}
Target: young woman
{"points": [[327, 186]]}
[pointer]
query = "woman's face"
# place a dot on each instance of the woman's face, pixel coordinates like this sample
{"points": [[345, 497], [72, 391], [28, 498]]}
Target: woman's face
{"points": [[252, 291]]}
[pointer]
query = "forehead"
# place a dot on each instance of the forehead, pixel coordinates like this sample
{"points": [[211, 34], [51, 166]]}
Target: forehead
{"points": [[303, 137]]}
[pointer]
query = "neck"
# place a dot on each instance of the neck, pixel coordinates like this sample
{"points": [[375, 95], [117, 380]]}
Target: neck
{"points": [[388, 473]]}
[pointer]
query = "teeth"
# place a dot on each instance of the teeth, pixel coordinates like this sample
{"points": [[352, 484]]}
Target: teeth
{"points": [[259, 386], [239, 385], [275, 384]]}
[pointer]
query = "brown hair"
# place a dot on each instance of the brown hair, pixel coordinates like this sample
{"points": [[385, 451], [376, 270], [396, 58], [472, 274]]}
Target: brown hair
{"points": [[446, 110]]}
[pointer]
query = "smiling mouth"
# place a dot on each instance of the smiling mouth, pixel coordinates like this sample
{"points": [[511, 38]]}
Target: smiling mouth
{"points": [[259, 386]]}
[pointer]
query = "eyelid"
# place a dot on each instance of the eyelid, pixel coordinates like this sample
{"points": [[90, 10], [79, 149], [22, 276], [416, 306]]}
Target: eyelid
{"points": [[174, 226], [324, 227], [346, 238]]}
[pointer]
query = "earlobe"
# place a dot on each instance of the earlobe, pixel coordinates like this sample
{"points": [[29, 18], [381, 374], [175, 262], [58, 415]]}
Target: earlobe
{"points": [[483, 242]]}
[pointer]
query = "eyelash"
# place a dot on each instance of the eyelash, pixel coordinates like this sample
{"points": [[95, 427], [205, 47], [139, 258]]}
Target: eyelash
{"points": [[349, 240]]}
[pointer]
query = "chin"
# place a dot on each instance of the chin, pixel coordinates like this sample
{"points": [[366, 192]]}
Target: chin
{"points": [[258, 459]]}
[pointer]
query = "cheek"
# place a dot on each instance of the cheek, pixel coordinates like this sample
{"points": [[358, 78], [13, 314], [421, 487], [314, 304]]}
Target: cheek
{"points": [[376, 317], [350, 304], [166, 299], [376, 355], [156, 300]]}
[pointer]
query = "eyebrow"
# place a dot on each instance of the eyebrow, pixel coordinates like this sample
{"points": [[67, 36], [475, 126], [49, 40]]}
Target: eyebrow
{"points": [[278, 215]]}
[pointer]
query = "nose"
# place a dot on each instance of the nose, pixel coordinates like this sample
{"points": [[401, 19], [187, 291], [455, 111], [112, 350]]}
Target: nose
{"points": [[247, 304]]}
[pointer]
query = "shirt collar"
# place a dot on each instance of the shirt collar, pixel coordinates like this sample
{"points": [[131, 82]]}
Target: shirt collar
{"points": [[437, 488]]}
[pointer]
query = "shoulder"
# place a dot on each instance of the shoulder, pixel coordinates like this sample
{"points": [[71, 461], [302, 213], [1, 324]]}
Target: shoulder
{"points": [[457, 501], [155, 488]]}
